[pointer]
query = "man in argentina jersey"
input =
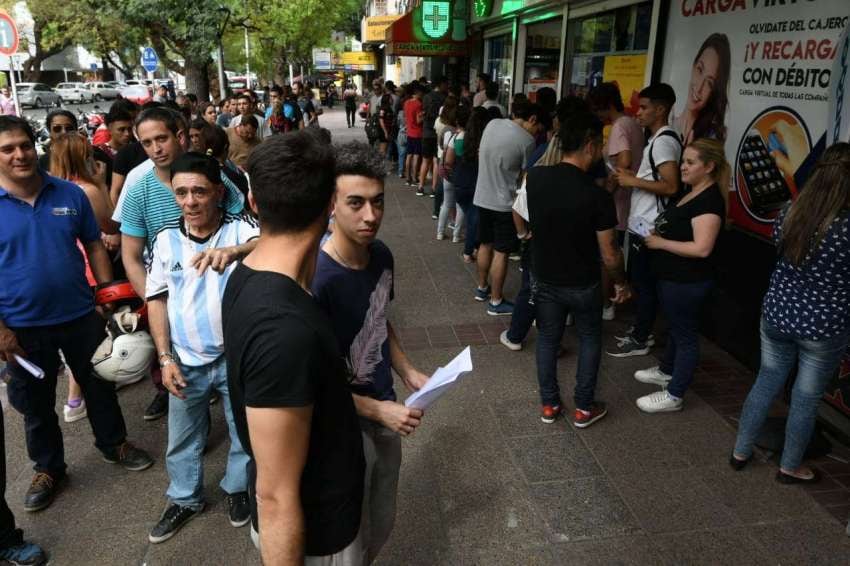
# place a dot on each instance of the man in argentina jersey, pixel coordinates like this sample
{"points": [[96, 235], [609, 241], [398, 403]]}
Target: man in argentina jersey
{"points": [[184, 308], [149, 204]]}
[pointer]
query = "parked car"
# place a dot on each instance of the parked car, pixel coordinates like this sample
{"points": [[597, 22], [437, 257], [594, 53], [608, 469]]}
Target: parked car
{"points": [[102, 91], [38, 95], [140, 94], [74, 92]]}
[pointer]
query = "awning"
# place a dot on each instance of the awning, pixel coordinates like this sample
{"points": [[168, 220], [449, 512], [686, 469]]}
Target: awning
{"points": [[429, 30]]}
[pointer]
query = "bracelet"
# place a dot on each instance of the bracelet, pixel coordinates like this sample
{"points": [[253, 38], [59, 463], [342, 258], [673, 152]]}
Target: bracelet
{"points": [[165, 363]]}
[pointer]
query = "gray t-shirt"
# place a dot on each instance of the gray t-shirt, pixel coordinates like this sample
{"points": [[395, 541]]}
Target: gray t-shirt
{"points": [[375, 103], [505, 149]]}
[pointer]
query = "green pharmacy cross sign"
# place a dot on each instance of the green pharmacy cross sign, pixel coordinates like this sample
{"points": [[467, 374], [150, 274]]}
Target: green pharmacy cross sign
{"points": [[483, 8], [436, 16]]}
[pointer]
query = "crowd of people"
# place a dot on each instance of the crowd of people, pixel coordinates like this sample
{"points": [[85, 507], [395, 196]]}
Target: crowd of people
{"points": [[234, 281]]}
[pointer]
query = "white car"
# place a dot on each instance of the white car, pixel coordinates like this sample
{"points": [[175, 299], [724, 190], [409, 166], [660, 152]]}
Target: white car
{"points": [[74, 92], [102, 91]]}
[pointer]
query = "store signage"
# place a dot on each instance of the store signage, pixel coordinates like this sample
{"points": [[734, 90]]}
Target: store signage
{"points": [[482, 8], [779, 69], [436, 17], [356, 61], [322, 59], [376, 28]]}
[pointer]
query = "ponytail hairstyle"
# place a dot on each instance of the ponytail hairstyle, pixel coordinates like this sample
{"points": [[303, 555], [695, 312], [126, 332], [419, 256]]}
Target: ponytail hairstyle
{"points": [[824, 196], [711, 151]]}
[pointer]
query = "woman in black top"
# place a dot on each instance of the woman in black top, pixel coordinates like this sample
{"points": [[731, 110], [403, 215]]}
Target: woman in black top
{"points": [[683, 243]]}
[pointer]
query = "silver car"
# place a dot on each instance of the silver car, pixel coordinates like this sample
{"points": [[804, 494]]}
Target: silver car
{"points": [[102, 91], [38, 95], [74, 92]]}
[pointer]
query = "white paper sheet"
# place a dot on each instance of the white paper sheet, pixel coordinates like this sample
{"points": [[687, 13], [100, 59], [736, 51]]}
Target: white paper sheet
{"points": [[442, 380], [33, 369]]}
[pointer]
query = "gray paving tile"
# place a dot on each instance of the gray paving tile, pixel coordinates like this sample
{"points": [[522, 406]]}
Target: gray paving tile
{"points": [[583, 509], [673, 501], [617, 551], [804, 541], [722, 546], [553, 457], [521, 417]]}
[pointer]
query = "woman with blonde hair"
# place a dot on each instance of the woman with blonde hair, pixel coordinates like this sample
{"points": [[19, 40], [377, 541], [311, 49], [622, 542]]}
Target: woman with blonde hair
{"points": [[805, 315], [72, 159], [683, 244]]}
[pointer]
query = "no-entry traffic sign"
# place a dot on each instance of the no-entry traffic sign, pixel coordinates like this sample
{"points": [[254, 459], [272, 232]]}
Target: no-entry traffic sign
{"points": [[8, 34]]}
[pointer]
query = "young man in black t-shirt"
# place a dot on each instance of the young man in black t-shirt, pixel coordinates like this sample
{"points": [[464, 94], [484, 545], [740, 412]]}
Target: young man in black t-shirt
{"points": [[354, 285], [287, 380], [571, 222]]}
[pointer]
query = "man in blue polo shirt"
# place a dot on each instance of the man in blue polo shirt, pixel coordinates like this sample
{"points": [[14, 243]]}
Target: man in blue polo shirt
{"points": [[46, 305]]}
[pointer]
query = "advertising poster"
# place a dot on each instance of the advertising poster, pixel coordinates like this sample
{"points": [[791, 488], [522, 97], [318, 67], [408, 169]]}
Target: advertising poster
{"points": [[627, 71], [760, 75]]}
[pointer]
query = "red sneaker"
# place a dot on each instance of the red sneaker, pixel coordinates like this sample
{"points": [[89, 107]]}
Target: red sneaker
{"points": [[584, 419], [550, 413]]}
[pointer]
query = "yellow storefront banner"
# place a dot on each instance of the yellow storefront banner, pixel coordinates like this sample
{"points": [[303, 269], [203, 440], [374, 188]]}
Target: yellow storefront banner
{"points": [[376, 28], [628, 72], [356, 60]]}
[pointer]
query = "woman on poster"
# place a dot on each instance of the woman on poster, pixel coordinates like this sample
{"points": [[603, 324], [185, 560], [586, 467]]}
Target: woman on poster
{"points": [[704, 115]]}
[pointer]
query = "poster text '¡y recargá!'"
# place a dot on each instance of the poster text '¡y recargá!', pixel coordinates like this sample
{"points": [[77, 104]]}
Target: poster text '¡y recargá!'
{"points": [[708, 7]]}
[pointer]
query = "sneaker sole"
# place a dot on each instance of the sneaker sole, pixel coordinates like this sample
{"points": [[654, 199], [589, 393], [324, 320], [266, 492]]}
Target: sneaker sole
{"points": [[163, 538], [237, 524], [649, 343], [651, 381], [510, 345], [129, 469], [494, 313], [75, 418], [548, 420], [481, 299], [40, 507], [641, 352], [153, 417], [591, 421], [667, 410]]}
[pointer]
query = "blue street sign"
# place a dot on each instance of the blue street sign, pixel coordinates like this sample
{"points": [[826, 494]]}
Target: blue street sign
{"points": [[94, 66], [150, 61]]}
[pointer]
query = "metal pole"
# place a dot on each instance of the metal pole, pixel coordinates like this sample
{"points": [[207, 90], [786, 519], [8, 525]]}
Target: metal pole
{"points": [[65, 70], [221, 92], [14, 86], [291, 78], [247, 60]]}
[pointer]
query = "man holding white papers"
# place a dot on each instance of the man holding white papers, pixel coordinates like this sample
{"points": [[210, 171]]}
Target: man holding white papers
{"points": [[354, 284]]}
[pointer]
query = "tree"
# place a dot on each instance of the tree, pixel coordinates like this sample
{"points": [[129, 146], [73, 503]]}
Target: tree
{"points": [[52, 31]]}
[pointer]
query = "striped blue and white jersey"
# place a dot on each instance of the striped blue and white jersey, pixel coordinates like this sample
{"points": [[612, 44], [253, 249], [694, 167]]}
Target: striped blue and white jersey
{"points": [[194, 302]]}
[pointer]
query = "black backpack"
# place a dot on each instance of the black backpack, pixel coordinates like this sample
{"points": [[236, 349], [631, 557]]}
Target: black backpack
{"points": [[663, 202]]}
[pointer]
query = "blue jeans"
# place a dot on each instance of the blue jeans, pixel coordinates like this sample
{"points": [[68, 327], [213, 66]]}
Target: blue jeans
{"points": [[402, 154], [553, 303], [817, 361], [645, 283], [470, 212], [524, 308], [681, 303], [188, 424]]}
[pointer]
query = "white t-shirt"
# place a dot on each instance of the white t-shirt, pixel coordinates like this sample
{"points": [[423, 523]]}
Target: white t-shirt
{"points": [[131, 179], [488, 103], [645, 206], [194, 302]]}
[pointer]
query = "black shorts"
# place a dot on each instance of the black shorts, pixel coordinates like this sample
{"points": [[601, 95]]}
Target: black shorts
{"points": [[497, 228], [414, 146], [429, 148]]}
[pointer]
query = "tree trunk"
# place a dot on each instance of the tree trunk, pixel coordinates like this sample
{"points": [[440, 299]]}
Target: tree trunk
{"points": [[197, 79]]}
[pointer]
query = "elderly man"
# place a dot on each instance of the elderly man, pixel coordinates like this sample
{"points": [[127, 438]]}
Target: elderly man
{"points": [[184, 307], [243, 139]]}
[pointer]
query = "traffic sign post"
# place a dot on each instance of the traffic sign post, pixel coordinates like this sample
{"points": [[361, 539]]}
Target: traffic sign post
{"points": [[9, 46]]}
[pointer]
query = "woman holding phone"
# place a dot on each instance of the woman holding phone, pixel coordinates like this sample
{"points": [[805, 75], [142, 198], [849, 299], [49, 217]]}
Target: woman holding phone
{"points": [[682, 247]]}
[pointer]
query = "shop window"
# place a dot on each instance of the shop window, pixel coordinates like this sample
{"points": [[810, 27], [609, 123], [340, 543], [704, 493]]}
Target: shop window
{"points": [[609, 47], [498, 62], [542, 57]]}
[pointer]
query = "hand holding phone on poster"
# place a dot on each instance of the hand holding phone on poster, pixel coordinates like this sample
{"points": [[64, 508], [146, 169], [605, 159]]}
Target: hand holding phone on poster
{"points": [[788, 147]]}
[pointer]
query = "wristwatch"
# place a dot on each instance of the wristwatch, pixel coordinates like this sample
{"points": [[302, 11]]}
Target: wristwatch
{"points": [[169, 359]]}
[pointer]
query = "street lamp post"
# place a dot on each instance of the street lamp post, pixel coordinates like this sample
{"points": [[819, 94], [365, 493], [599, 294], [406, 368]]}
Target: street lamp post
{"points": [[246, 23]]}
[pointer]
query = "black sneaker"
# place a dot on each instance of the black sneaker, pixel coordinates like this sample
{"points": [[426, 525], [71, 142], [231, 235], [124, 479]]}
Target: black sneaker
{"points": [[24, 554], [627, 347], [131, 458], [158, 407], [238, 510], [41, 492], [172, 520]]}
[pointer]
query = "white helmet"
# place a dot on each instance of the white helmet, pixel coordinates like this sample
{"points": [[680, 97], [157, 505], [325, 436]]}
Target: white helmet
{"points": [[125, 355]]}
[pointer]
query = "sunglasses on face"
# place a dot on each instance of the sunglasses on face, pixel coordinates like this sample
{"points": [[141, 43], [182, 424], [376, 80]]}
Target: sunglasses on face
{"points": [[59, 128]]}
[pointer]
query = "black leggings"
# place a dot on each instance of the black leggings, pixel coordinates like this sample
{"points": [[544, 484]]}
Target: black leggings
{"points": [[350, 115]]}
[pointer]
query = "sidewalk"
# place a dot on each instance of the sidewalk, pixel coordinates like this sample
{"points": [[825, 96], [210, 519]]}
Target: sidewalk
{"points": [[483, 481]]}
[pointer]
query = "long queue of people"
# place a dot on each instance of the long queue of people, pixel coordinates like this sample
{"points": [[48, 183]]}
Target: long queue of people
{"points": [[241, 282], [543, 185]]}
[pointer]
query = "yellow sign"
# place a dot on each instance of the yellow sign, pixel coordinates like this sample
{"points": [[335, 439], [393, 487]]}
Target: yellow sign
{"points": [[627, 71], [357, 58], [376, 28]]}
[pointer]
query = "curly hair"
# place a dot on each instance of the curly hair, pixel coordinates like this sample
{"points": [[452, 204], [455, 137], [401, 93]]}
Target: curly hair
{"points": [[359, 158]]}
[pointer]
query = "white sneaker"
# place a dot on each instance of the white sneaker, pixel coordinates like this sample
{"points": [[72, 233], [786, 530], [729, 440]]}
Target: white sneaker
{"points": [[659, 402], [653, 375], [457, 239], [441, 236], [503, 338], [570, 320], [609, 312], [73, 414]]}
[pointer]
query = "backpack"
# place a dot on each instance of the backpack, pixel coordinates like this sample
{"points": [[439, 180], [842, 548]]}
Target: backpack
{"points": [[373, 128], [664, 202]]}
